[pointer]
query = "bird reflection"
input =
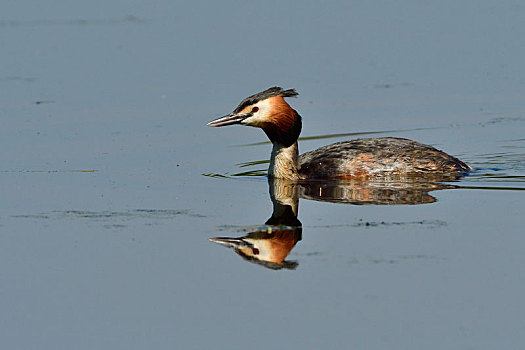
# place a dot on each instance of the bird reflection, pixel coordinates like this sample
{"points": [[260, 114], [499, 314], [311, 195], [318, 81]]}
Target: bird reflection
{"points": [[383, 191], [271, 244]]}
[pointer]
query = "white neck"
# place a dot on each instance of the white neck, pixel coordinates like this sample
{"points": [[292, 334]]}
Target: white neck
{"points": [[284, 162]]}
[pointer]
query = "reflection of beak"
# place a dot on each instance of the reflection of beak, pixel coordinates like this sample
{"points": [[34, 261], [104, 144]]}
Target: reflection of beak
{"points": [[231, 242], [229, 119]]}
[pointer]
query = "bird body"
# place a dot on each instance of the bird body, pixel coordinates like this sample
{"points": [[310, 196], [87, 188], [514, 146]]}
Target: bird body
{"points": [[365, 157]]}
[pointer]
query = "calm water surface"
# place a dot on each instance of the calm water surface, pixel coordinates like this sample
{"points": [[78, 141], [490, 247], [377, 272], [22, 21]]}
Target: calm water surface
{"points": [[111, 186]]}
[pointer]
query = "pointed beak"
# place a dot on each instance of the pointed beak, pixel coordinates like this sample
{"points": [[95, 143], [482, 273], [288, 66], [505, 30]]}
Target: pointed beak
{"points": [[229, 119], [230, 242]]}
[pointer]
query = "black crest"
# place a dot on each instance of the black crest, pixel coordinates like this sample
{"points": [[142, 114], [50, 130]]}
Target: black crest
{"points": [[273, 91]]}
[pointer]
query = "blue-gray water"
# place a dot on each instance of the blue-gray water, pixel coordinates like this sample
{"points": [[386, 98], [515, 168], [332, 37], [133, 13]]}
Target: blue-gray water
{"points": [[105, 215]]}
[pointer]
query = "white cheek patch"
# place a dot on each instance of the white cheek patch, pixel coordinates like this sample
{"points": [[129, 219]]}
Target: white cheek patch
{"points": [[259, 117], [264, 247]]}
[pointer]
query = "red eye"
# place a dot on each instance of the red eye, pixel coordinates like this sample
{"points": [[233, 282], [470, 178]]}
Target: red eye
{"points": [[255, 251], [255, 109]]}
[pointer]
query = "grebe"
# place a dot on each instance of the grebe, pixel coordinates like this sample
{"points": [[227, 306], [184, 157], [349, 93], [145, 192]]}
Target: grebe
{"points": [[367, 157]]}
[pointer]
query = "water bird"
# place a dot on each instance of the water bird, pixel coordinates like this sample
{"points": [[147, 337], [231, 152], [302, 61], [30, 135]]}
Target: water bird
{"points": [[358, 158]]}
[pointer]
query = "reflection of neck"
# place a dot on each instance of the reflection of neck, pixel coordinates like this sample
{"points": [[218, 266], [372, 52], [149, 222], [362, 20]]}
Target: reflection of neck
{"points": [[285, 198], [284, 162]]}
